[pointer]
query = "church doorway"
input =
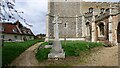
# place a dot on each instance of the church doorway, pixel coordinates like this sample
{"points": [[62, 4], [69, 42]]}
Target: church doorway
{"points": [[101, 31], [118, 33], [88, 31]]}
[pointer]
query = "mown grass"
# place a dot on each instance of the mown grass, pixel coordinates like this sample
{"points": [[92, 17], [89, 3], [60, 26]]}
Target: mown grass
{"points": [[11, 50], [72, 48]]}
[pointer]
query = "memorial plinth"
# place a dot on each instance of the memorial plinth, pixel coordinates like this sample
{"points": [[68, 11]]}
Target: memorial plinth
{"points": [[56, 51]]}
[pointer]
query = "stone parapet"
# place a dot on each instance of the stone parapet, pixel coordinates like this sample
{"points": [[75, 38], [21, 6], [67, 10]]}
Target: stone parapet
{"points": [[88, 14], [101, 16]]}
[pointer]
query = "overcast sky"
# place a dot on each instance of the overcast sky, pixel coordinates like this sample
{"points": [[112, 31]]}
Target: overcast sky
{"points": [[35, 13]]}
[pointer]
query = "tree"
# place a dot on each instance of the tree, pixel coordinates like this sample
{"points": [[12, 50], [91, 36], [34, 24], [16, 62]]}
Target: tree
{"points": [[9, 13]]}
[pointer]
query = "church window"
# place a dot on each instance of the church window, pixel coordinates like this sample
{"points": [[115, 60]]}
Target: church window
{"points": [[90, 10], [65, 24], [102, 10], [107, 10]]}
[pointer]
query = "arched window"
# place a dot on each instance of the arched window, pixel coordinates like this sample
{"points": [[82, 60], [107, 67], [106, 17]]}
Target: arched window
{"points": [[102, 10], [65, 24], [90, 10], [101, 29], [107, 10], [88, 28]]}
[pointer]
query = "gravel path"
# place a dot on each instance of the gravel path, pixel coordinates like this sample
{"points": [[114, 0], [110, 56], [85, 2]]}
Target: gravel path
{"points": [[27, 58], [107, 56]]}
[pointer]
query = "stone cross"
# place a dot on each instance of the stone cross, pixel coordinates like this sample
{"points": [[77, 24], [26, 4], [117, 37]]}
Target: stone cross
{"points": [[56, 28], [56, 51]]}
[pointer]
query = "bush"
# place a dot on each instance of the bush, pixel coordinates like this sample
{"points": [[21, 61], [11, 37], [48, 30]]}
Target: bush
{"points": [[11, 50]]}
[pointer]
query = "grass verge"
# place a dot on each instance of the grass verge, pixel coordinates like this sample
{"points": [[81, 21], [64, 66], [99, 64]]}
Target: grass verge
{"points": [[11, 50], [72, 49]]}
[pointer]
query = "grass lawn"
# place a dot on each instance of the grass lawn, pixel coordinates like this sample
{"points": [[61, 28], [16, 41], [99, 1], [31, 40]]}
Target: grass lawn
{"points": [[11, 50], [74, 50]]}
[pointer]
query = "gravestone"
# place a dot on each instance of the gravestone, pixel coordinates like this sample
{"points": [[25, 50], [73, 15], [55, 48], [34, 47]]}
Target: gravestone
{"points": [[56, 51]]}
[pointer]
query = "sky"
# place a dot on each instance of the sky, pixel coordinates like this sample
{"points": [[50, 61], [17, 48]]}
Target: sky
{"points": [[35, 12]]}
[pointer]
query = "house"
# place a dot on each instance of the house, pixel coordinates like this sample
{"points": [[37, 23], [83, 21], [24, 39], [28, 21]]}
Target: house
{"points": [[89, 21], [15, 32]]}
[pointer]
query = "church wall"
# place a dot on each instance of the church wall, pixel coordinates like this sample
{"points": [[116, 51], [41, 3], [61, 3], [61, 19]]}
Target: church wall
{"points": [[115, 25], [70, 27], [80, 27], [105, 22], [95, 5], [50, 19], [67, 12], [66, 15], [67, 8]]}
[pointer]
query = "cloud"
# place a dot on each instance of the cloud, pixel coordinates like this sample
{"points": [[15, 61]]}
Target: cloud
{"points": [[35, 14]]}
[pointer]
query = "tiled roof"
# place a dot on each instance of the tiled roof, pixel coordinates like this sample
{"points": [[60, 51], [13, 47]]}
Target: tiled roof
{"points": [[15, 28]]}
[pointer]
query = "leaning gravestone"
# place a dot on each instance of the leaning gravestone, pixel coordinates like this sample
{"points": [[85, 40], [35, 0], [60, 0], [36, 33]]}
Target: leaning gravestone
{"points": [[56, 51]]}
